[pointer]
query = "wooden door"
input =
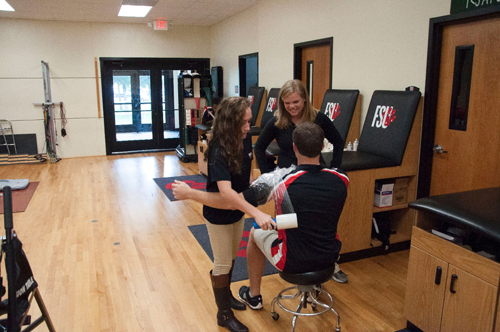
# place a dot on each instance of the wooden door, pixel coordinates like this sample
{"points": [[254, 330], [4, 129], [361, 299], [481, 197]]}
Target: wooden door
{"points": [[316, 68], [472, 305], [472, 156], [313, 66], [424, 298]]}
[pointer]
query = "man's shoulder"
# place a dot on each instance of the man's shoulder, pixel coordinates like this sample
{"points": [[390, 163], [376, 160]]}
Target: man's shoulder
{"points": [[337, 173]]}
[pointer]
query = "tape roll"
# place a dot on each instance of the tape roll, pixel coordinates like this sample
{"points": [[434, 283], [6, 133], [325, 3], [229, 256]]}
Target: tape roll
{"points": [[287, 221], [283, 221]]}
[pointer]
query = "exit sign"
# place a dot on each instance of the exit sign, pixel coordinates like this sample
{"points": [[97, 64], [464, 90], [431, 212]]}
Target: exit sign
{"points": [[161, 25]]}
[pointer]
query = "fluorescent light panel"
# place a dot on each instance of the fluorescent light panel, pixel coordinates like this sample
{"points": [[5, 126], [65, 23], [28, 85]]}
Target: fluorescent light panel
{"points": [[136, 8], [5, 6], [134, 11]]}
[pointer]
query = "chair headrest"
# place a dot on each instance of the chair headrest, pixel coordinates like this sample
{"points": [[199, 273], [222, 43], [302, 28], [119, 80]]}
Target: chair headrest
{"points": [[255, 94], [271, 106], [339, 106], [388, 123]]}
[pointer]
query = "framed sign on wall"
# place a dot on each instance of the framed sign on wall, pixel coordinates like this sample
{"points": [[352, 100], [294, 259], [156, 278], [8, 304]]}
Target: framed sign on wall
{"points": [[458, 6]]}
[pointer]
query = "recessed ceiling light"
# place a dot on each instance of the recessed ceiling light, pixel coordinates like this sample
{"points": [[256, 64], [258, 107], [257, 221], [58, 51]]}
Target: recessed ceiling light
{"points": [[5, 6], [134, 11]]}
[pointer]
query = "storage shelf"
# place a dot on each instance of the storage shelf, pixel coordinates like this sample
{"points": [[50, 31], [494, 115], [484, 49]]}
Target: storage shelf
{"points": [[389, 208], [394, 238]]}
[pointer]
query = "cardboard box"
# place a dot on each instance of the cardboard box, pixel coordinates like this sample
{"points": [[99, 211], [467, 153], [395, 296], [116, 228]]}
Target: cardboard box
{"points": [[400, 192], [383, 193]]}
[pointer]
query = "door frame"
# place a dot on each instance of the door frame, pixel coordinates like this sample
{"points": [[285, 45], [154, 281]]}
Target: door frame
{"points": [[436, 26], [297, 56], [242, 68], [202, 65]]}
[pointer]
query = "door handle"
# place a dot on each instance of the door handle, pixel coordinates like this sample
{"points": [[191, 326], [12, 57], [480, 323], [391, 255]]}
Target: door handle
{"points": [[438, 149], [437, 279], [454, 278]]}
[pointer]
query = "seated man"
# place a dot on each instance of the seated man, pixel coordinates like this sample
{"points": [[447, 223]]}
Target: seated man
{"points": [[317, 196]]}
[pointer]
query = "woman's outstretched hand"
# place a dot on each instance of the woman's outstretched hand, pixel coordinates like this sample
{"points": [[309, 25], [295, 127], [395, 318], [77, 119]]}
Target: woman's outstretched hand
{"points": [[181, 190]]}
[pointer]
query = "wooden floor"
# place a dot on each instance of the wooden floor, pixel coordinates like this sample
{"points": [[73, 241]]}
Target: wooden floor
{"points": [[111, 253]]}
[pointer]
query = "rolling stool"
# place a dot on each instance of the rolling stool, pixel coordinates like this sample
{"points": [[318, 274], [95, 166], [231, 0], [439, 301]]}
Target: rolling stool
{"points": [[308, 286]]}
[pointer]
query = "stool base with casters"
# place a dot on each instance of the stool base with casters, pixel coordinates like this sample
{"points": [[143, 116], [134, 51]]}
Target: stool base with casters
{"points": [[308, 288]]}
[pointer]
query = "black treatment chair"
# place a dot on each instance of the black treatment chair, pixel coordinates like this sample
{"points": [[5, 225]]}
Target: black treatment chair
{"points": [[257, 96], [270, 106], [385, 131], [340, 106], [22, 287], [307, 289]]}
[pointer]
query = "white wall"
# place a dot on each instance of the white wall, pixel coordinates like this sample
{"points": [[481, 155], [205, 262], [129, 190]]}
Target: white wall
{"points": [[70, 49], [236, 36], [377, 44]]}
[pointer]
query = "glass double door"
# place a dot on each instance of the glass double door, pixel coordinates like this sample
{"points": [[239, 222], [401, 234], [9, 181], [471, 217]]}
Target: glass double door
{"points": [[141, 107]]}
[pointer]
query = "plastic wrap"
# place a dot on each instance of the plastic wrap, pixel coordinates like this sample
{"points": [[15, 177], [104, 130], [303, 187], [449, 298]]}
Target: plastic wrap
{"points": [[269, 186]]}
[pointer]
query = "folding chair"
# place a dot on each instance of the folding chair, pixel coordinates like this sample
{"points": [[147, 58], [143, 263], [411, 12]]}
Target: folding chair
{"points": [[21, 285]]}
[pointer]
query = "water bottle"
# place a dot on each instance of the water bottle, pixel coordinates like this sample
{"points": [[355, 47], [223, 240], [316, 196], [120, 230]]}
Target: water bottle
{"points": [[349, 146], [355, 145]]}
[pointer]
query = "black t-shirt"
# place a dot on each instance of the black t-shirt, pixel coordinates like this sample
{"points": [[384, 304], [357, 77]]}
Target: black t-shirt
{"points": [[283, 137], [317, 196], [218, 170]]}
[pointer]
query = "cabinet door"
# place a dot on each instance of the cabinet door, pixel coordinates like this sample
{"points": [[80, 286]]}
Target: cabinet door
{"points": [[469, 303], [425, 289]]}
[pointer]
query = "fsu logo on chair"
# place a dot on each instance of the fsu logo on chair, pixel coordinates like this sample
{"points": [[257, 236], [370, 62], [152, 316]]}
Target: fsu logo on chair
{"points": [[332, 110], [383, 116], [271, 104]]}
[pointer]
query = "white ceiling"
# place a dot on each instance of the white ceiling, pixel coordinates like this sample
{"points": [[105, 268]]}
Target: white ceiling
{"points": [[176, 12]]}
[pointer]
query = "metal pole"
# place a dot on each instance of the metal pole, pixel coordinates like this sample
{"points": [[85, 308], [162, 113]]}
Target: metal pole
{"points": [[10, 264], [49, 119]]}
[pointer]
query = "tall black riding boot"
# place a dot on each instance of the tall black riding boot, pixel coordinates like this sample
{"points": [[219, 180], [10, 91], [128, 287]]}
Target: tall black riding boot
{"points": [[235, 304], [222, 293]]}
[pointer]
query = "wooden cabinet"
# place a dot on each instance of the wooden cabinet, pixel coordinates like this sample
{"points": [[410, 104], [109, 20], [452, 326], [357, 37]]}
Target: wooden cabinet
{"points": [[450, 288], [355, 223], [401, 218]]}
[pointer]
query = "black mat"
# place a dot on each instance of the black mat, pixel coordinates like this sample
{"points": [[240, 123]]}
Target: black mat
{"points": [[25, 144], [194, 181], [240, 271]]}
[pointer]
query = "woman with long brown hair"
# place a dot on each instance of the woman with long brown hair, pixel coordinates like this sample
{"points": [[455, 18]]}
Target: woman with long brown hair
{"points": [[229, 156]]}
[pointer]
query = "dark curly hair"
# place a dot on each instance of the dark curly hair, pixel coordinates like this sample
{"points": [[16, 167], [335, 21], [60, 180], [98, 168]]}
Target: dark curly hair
{"points": [[226, 130]]}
